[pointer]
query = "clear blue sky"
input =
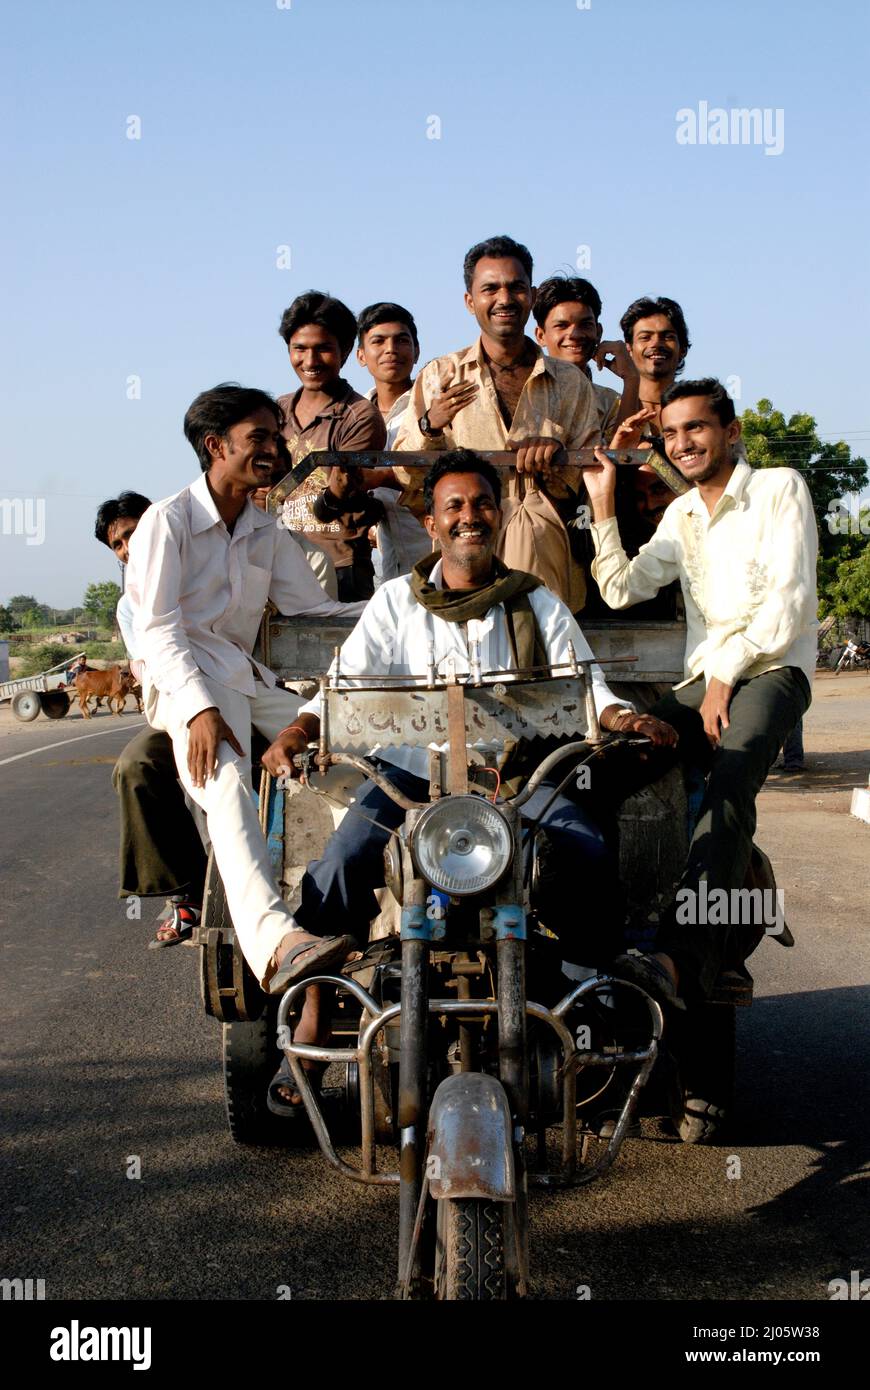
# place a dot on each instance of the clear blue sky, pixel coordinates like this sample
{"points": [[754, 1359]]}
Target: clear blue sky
{"points": [[306, 126]]}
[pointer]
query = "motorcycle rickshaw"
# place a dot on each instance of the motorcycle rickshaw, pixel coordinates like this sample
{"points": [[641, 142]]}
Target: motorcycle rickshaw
{"points": [[458, 1043]]}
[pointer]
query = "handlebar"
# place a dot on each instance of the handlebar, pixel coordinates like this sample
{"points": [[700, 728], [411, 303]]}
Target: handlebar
{"points": [[368, 769]]}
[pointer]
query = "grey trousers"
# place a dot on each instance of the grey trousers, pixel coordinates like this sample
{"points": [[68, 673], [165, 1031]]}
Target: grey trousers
{"points": [[763, 711]]}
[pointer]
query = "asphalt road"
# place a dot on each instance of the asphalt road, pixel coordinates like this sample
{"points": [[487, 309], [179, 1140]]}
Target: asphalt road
{"points": [[107, 1055]]}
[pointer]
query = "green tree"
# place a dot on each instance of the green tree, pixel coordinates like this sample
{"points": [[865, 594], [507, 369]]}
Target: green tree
{"points": [[100, 602], [28, 612], [848, 592], [8, 621], [39, 659], [831, 474]]}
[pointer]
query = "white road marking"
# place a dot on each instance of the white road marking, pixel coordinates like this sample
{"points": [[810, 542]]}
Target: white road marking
{"points": [[62, 743]]}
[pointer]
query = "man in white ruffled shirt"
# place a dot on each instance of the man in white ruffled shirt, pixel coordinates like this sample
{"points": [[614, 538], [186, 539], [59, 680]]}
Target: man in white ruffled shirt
{"points": [[743, 544]]}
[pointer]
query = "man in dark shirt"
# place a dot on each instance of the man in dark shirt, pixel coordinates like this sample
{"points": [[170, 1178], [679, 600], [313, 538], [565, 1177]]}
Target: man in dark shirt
{"points": [[326, 413]]}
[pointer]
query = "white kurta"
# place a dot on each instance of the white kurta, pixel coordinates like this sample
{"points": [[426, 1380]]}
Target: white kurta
{"points": [[393, 635]]}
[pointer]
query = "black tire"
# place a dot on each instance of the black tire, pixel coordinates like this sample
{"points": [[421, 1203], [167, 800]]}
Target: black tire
{"points": [[250, 1060], [470, 1252], [55, 704]]}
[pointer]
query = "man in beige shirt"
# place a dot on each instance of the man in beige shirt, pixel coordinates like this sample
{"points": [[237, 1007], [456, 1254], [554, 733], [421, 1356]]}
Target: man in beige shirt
{"points": [[503, 393]]}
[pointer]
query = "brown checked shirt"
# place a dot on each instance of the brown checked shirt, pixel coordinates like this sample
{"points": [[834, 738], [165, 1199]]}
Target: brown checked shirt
{"points": [[349, 423]]}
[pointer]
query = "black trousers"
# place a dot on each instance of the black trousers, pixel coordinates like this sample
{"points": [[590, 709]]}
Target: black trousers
{"points": [[161, 851], [763, 711]]}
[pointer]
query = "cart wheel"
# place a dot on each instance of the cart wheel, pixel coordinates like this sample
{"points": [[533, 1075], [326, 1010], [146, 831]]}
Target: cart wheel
{"points": [[250, 1060], [26, 705], [55, 704]]}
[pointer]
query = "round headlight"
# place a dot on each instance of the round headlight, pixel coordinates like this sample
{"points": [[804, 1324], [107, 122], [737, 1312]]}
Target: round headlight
{"points": [[462, 844]]}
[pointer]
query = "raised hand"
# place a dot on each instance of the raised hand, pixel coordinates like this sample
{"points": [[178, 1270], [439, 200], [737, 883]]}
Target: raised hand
{"points": [[448, 404]]}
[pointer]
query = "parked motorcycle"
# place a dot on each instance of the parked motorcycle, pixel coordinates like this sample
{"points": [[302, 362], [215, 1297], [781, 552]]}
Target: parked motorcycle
{"points": [[855, 657]]}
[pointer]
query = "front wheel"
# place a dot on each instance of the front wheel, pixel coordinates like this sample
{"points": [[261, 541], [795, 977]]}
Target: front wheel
{"points": [[470, 1251]]}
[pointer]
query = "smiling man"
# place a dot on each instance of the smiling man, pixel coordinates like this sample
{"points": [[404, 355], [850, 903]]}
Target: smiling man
{"points": [[202, 565], [568, 315], [504, 393], [743, 545], [326, 413], [452, 598], [658, 340], [388, 349]]}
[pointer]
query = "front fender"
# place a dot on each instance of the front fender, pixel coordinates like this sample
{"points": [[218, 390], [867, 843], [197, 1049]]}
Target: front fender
{"points": [[469, 1132]]}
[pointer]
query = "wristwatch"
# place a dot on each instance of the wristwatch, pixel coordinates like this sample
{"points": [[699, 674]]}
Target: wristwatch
{"points": [[426, 428]]}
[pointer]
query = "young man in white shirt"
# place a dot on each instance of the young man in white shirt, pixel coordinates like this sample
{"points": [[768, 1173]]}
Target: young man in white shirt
{"points": [[202, 565], [743, 544], [388, 349]]}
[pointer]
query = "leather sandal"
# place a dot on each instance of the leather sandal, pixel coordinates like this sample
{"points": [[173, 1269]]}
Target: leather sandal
{"points": [[317, 957]]}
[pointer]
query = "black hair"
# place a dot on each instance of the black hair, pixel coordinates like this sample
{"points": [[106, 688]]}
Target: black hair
{"points": [[498, 248], [386, 313], [217, 410], [565, 289], [645, 307], [326, 312], [723, 406], [131, 504], [459, 461]]}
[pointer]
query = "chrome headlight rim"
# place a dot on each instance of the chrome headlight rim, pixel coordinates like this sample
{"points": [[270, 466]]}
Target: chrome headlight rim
{"points": [[457, 816]]}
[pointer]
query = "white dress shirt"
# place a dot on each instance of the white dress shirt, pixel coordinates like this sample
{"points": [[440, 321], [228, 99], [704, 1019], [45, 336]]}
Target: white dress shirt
{"points": [[402, 541], [199, 594], [748, 574], [392, 638], [125, 617]]}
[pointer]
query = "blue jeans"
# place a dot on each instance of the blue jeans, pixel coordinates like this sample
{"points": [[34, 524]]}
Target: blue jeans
{"points": [[579, 894]]}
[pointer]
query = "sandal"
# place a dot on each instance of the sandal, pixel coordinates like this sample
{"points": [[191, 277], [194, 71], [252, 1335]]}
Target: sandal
{"points": [[285, 1080], [178, 926], [322, 953]]}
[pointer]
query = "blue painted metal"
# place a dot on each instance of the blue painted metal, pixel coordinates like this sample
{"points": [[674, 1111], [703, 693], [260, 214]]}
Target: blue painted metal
{"points": [[509, 921], [420, 925], [274, 827]]}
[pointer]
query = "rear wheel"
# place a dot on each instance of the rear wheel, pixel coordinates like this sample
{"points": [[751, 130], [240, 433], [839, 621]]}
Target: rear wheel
{"points": [[26, 705], [55, 704], [470, 1254], [250, 1060]]}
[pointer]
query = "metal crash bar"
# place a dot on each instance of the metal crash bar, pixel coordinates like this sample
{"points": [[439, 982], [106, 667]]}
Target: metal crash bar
{"points": [[296, 1053]]}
